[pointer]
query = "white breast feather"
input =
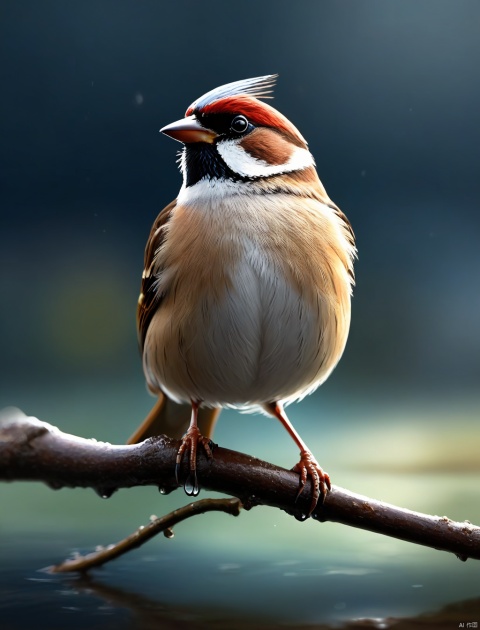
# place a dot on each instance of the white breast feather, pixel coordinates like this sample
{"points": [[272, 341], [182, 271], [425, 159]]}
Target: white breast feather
{"points": [[263, 342]]}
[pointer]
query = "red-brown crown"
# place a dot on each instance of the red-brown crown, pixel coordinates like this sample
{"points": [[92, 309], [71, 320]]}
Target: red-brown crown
{"points": [[242, 97]]}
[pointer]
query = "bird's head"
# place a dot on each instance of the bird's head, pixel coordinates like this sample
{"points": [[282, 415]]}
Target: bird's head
{"points": [[230, 134]]}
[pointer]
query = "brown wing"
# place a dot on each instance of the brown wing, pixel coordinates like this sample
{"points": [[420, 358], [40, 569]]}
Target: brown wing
{"points": [[150, 298], [166, 417]]}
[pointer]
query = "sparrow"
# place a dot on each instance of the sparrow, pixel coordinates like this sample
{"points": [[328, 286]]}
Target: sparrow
{"points": [[245, 295]]}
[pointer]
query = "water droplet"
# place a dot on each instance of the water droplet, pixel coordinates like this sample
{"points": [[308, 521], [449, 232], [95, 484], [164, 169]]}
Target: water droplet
{"points": [[191, 486], [105, 493], [153, 518], [300, 516], [163, 490], [168, 533], [462, 557]]}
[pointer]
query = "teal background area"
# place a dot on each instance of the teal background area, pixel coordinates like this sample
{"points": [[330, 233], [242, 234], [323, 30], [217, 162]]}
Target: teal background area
{"points": [[387, 95]]}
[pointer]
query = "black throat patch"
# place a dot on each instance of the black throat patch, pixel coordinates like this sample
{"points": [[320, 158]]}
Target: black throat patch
{"points": [[202, 160]]}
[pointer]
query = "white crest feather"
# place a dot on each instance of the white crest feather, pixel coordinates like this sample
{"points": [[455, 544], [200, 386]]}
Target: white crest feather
{"points": [[258, 87]]}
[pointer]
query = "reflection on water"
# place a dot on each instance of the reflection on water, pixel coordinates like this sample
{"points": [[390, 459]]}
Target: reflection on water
{"points": [[262, 569], [178, 590]]}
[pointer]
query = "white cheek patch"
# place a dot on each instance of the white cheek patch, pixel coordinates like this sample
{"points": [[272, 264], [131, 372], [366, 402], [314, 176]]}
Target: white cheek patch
{"points": [[241, 162]]}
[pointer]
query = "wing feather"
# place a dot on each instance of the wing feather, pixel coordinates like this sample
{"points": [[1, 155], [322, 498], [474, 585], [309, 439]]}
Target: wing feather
{"points": [[150, 298]]}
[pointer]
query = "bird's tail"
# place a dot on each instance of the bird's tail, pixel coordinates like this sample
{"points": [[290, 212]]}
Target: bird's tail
{"points": [[170, 418]]}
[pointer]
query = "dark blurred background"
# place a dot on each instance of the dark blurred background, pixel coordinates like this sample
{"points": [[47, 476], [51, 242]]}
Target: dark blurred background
{"points": [[388, 96]]}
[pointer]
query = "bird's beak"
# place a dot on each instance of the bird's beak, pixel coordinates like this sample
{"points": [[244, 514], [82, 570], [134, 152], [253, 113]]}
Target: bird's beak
{"points": [[189, 130]]}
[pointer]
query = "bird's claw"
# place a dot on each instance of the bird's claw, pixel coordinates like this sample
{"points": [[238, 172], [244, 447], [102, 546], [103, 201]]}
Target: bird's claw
{"points": [[309, 467], [190, 442]]}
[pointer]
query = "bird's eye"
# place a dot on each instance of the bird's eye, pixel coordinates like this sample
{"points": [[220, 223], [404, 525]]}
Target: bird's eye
{"points": [[239, 124]]}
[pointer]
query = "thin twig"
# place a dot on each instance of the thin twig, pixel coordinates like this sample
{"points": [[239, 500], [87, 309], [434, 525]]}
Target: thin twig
{"points": [[36, 451], [144, 533]]}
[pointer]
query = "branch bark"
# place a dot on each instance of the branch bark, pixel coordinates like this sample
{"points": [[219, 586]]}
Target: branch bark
{"points": [[31, 450]]}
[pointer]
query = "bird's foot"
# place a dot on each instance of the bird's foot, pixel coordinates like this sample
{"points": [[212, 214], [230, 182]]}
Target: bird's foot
{"points": [[309, 467], [190, 442]]}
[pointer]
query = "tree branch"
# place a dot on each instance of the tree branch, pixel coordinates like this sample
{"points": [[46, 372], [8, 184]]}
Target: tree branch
{"points": [[31, 450], [144, 533]]}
